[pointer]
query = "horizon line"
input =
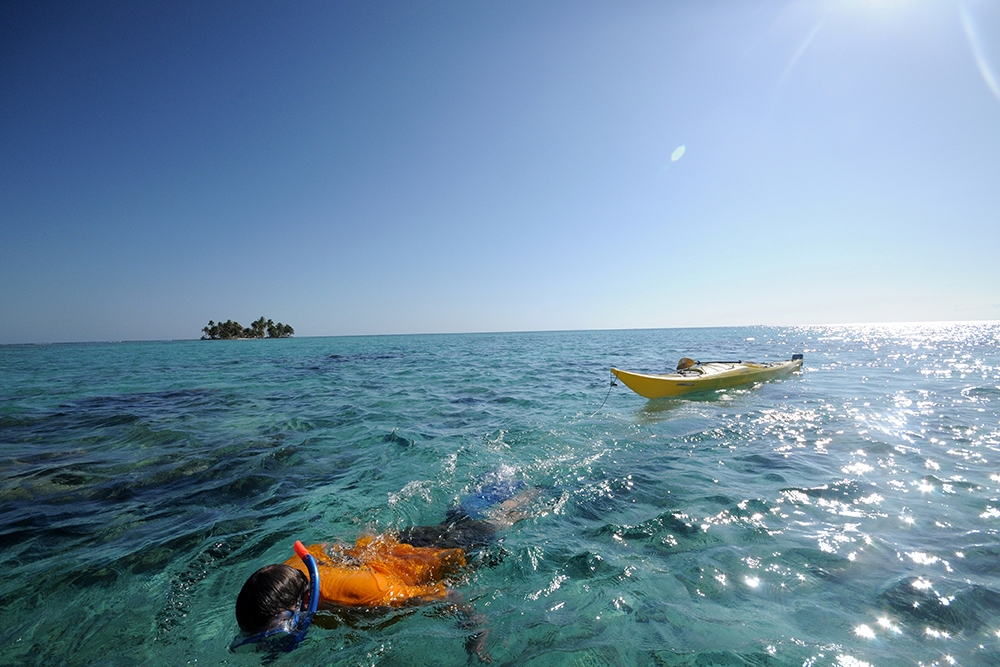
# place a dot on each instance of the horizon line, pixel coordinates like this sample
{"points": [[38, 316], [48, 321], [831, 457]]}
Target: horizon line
{"points": [[520, 331]]}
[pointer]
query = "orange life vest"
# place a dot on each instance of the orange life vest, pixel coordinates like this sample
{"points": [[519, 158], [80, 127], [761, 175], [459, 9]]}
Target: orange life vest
{"points": [[380, 571]]}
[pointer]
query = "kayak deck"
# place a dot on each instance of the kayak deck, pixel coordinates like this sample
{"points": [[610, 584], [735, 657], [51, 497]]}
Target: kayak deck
{"points": [[708, 376]]}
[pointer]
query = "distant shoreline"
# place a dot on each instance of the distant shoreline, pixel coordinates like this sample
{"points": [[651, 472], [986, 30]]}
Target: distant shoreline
{"points": [[928, 323]]}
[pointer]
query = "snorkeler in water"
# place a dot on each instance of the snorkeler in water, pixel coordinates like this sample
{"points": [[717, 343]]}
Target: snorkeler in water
{"points": [[388, 570]]}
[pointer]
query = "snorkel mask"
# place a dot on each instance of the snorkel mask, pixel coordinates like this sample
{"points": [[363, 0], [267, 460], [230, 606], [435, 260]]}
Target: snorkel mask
{"points": [[291, 626]]}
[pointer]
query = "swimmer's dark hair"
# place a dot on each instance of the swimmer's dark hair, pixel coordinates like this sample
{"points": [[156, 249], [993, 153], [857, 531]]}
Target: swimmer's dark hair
{"points": [[268, 592]]}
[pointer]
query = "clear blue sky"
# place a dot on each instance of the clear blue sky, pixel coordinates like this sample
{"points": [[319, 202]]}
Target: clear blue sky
{"points": [[406, 167]]}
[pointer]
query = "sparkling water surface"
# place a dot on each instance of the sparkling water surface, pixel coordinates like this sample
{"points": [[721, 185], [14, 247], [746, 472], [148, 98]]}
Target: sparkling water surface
{"points": [[846, 515]]}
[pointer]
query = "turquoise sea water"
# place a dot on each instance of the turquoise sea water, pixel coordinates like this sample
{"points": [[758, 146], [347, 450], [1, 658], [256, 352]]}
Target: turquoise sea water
{"points": [[847, 515]]}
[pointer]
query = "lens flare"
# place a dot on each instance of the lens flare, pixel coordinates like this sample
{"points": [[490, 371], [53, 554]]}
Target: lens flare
{"points": [[978, 54]]}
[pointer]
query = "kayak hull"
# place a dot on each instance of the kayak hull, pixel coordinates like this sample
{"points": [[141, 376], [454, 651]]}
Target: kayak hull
{"points": [[710, 376]]}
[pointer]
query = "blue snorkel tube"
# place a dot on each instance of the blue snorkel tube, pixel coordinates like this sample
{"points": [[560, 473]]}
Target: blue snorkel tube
{"points": [[292, 626], [306, 617]]}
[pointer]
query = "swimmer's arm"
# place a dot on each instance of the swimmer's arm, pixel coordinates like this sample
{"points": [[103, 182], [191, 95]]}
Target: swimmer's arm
{"points": [[468, 619]]}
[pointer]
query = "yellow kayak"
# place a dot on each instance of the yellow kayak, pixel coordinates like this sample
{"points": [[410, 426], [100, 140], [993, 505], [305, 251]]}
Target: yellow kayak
{"points": [[694, 376]]}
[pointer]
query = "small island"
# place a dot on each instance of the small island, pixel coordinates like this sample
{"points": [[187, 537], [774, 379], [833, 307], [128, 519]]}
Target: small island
{"points": [[230, 330]]}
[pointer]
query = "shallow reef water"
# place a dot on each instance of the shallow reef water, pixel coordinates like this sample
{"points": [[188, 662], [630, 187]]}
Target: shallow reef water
{"points": [[843, 516]]}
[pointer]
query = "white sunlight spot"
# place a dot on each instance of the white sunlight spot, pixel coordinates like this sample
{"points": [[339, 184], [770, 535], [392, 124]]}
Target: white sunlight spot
{"points": [[876, 4], [851, 661], [752, 582], [977, 53], [678, 153], [921, 558], [889, 625], [864, 631]]}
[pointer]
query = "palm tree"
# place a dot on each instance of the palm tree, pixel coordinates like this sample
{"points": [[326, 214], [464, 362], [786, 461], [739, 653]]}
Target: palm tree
{"points": [[261, 328], [258, 328], [211, 331]]}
